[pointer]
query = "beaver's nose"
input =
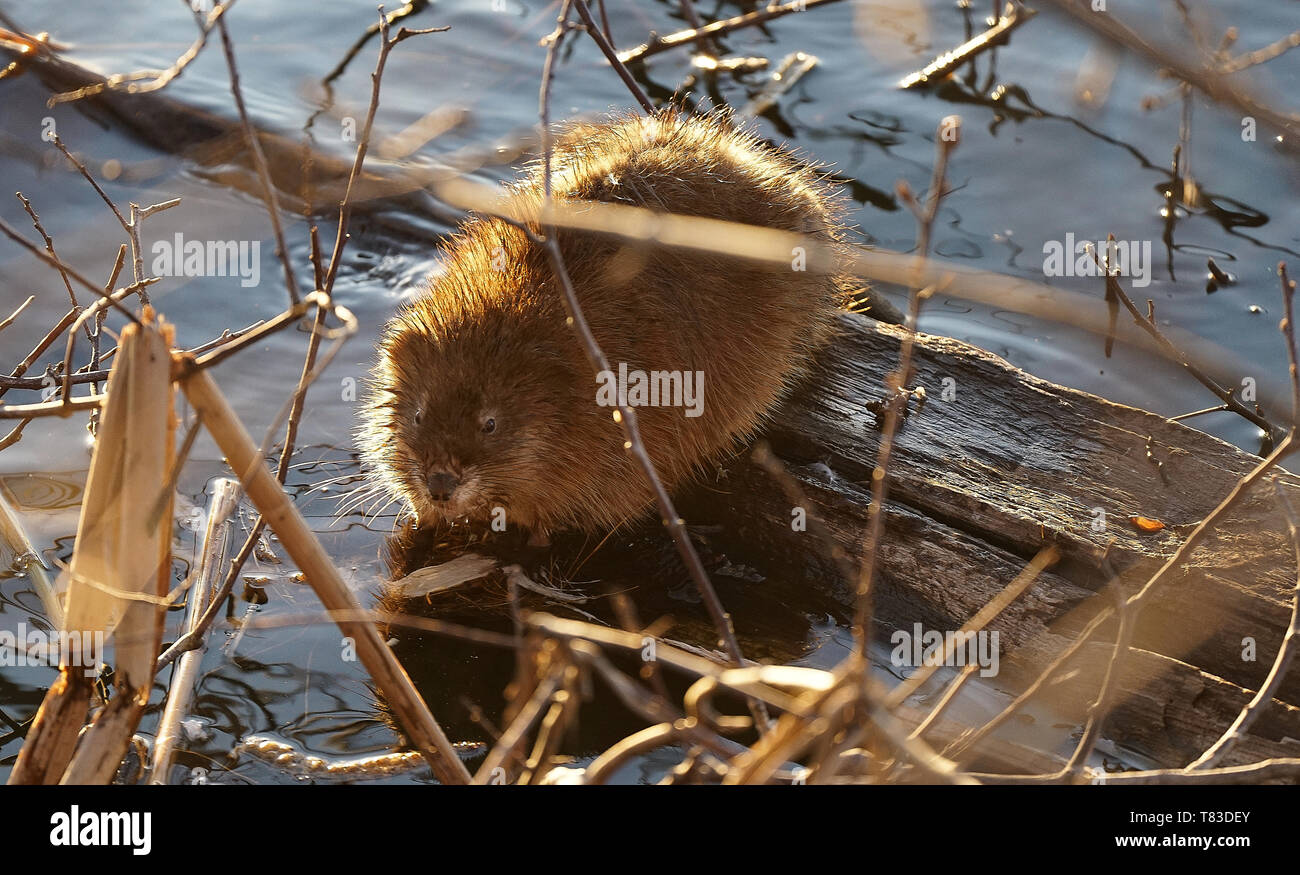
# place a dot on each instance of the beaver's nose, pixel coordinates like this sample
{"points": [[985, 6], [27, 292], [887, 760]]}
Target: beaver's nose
{"points": [[442, 484]]}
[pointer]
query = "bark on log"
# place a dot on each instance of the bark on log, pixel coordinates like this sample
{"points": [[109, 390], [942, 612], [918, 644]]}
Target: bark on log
{"points": [[1003, 464]]}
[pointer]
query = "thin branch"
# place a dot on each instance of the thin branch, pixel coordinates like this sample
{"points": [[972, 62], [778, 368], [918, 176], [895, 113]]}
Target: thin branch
{"points": [[1105, 699], [1045, 558], [1280, 769], [508, 746], [1288, 333], [659, 43], [154, 80], [704, 42], [624, 415], [968, 742], [195, 636], [37, 351], [9, 320], [608, 50], [1262, 55], [947, 138], [144, 81], [259, 161], [1147, 323], [604, 22], [93, 184], [49, 247], [1208, 82], [1281, 664], [1286, 652], [1014, 15], [51, 408], [363, 144]]}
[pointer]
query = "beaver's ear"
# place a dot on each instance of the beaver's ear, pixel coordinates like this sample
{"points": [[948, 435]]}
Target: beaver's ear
{"points": [[406, 345]]}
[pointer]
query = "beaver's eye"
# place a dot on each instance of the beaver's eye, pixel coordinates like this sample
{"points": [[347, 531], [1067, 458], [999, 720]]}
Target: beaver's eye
{"points": [[418, 417], [489, 425]]}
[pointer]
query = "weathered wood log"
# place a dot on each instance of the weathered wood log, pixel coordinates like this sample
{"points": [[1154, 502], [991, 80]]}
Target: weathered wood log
{"points": [[995, 468]]}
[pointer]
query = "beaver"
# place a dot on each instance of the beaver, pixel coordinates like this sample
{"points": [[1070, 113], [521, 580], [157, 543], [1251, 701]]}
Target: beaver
{"points": [[482, 405]]}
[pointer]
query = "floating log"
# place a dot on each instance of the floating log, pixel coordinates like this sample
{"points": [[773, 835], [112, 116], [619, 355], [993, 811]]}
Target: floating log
{"points": [[994, 467]]}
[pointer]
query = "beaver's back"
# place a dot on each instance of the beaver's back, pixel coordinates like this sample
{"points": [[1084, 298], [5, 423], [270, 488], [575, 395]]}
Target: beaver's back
{"points": [[751, 328]]}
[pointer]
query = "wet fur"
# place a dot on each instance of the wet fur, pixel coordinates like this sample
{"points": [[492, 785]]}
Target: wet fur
{"points": [[484, 342]]}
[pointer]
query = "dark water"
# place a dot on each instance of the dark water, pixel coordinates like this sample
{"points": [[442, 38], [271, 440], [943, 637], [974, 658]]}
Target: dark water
{"points": [[1031, 168]]}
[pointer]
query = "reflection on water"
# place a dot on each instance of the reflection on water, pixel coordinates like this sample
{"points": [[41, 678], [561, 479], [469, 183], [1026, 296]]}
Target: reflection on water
{"points": [[39, 491]]}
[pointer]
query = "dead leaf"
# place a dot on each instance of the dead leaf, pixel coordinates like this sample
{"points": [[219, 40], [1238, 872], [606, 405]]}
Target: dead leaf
{"points": [[1146, 524], [448, 575]]}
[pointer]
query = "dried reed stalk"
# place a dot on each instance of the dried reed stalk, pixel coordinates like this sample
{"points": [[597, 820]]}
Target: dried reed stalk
{"points": [[117, 580], [287, 522], [180, 694], [23, 555]]}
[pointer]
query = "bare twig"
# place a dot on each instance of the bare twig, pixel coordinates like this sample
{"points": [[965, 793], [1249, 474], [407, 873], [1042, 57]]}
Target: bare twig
{"points": [[63, 267], [604, 22], [259, 161], [1046, 558], [947, 137], [1286, 652], [81, 168], [37, 351], [492, 771], [1251, 773], [968, 742], [1012, 17], [1147, 323], [49, 247], [1285, 656], [1101, 705], [1208, 82], [703, 42], [616, 756], [625, 416], [387, 44], [1288, 332], [659, 44], [180, 692], [150, 80], [18, 311], [608, 50], [265, 329], [1262, 55]]}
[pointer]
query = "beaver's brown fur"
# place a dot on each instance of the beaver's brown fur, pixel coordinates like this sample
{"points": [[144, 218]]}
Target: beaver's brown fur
{"points": [[482, 392]]}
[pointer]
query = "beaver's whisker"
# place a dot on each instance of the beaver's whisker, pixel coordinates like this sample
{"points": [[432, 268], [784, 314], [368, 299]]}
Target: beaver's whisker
{"points": [[368, 519], [372, 493], [577, 565], [364, 486], [377, 509], [330, 481], [352, 493]]}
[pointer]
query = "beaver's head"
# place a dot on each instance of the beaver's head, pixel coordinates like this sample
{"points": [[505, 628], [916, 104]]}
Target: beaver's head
{"points": [[461, 416]]}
